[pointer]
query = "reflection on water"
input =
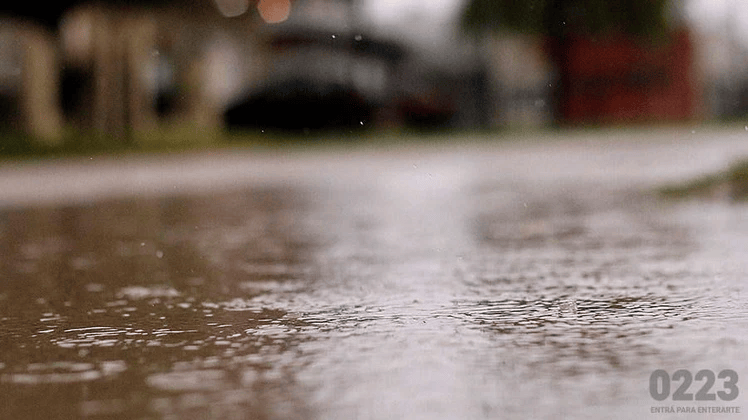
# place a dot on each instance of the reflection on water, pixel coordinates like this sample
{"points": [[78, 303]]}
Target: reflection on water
{"points": [[142, 307], [393, 300]]}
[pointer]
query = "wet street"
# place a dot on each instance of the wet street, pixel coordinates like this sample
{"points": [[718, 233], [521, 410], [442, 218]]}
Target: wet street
{"points": [[534, 278]]}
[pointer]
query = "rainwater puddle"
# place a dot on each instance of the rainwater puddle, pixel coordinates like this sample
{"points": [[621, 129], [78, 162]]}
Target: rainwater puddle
{"points": [[410, 296]]}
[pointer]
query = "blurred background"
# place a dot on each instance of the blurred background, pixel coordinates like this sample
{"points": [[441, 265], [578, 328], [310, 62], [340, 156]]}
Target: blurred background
{"points": [[137, 71]]}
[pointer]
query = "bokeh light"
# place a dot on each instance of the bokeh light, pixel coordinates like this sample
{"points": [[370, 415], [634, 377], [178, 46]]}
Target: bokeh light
{"points": [[274, 11], [232, 8]]}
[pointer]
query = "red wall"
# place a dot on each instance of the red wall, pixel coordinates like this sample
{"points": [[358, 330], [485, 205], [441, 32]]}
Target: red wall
{"points": [[619, 80]]}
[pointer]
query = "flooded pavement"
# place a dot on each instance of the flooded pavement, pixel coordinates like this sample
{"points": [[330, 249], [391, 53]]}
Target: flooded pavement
{"points": [[463, 282]]}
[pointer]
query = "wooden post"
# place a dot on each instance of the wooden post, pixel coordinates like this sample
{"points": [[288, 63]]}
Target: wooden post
{"points": [[121, 43], [138, 41], [40, 110]]}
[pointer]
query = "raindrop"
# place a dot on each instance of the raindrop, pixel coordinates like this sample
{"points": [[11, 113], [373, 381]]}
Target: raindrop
{"points": [[567, 307], [358, 37], [415, 166], [693, 131], [159, 254], [746, 128], [361, 122], [333, 36]]}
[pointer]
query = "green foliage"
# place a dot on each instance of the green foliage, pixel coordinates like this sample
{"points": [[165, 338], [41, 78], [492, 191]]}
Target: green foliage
{"points": [[738, 179], [731, 183], [700, 187], [16, 144], [525, 16], [560, 18]]}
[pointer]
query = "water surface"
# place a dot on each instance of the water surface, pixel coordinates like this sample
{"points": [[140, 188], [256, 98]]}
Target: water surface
{"points": [[421, 290]]}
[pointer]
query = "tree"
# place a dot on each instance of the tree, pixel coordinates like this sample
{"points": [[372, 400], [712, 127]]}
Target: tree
{"points": [[560, 21]]}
